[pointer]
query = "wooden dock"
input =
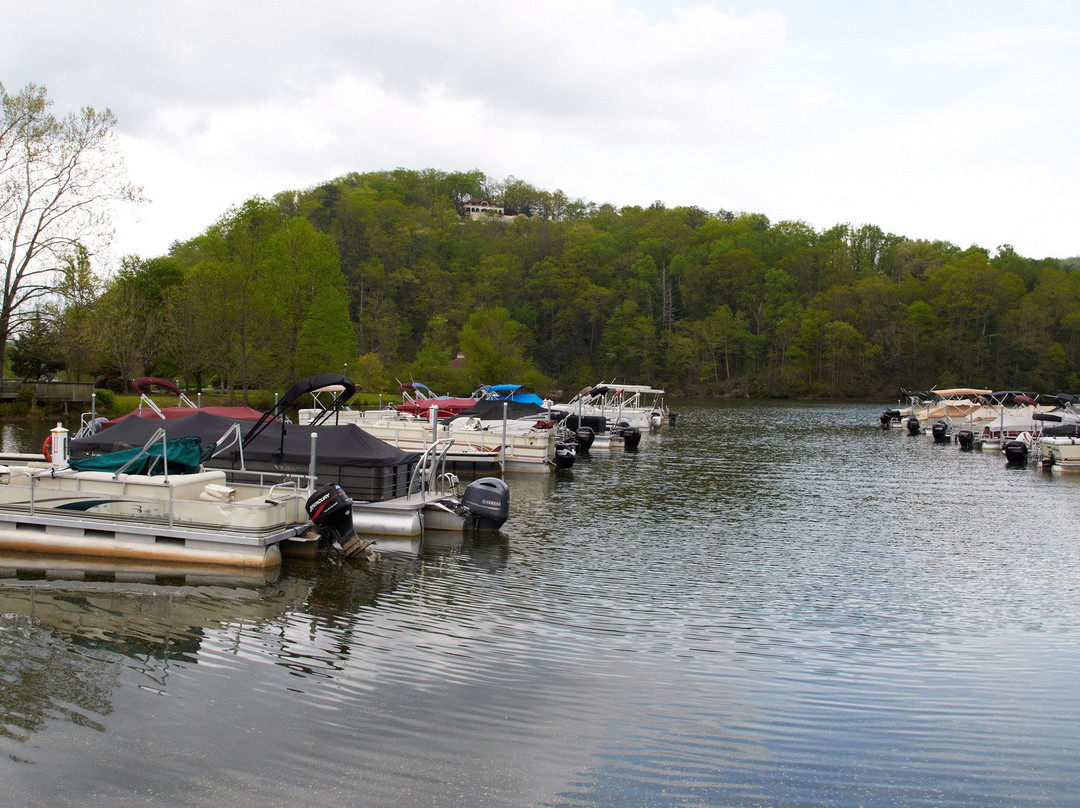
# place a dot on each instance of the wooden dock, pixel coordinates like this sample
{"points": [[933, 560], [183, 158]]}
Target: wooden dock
{"points": [[74, 392]]}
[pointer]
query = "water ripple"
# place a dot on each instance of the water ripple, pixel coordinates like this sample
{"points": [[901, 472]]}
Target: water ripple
{"points": [[765, 605]]}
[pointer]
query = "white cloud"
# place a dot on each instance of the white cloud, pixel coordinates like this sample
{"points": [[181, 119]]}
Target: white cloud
{"points": [[825, 114]]}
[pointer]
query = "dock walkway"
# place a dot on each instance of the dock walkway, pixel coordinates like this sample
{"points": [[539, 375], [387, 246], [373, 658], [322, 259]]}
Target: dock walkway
{"points": [[75, 392]]}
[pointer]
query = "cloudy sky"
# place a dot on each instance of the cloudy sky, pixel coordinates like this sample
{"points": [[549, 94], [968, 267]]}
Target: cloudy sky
{"points": [[954, 119]]}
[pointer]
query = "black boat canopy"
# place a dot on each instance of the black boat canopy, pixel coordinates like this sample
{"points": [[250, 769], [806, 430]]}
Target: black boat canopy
{"points": [[493, 410], [344, 445], [334, 382]]}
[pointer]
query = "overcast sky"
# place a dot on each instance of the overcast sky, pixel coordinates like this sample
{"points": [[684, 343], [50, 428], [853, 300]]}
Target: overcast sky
{"points": [[947, 120]]}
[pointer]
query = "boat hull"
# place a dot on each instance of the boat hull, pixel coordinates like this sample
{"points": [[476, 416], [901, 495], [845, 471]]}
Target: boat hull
{"points": [[1060, 454], [477, 450], [72, 539], [136, 517]]}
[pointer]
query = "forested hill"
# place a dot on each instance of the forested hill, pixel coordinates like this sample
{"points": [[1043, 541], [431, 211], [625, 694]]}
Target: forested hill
{"points": [[387, 272]]}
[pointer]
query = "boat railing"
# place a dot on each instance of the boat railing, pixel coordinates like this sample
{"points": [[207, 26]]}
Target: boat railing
{"points": [[278, 487], [145, 400], [429, 475], [270, 480], [291, 487], [229, 438], [157, 437], [90, 423]]}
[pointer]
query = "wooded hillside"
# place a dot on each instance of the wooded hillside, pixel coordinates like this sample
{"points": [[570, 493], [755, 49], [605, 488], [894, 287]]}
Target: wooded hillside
{"points": [[383, 272]]}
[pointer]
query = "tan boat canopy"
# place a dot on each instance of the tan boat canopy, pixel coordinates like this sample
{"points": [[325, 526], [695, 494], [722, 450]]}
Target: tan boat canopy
{"points": [[961, 391]]}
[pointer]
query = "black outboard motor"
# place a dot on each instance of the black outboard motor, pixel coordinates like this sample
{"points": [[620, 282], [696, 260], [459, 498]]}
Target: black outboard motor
{"points": [[330, 510], [597, 423], [940, 430], [585, 437], [966, 438], [487, 503], [888, 416], [631, 436], [913, 425], [672, 417], [1016, 452], [565, 455]]}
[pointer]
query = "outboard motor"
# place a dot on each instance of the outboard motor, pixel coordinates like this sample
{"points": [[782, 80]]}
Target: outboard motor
{"points": [[487, 502], [330, 510], [940, 430], [565, 455], [585, 437], [631, 436], [597, 423], [1016, 452], [966, 438], [672, 416], [913, 426], [888, 416]]}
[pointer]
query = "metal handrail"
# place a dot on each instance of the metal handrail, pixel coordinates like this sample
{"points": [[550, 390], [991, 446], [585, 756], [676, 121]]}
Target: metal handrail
{"points": [[149, 402], [159, 435], [229, 437], [431, 466]]}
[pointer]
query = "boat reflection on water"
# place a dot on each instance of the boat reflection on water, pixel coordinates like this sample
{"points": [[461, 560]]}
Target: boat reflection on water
{"points": [[485, 551], [66, 622], [27, 567]]}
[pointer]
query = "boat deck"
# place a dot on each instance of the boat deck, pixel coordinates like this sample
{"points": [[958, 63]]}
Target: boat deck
{"points": [[194, 518]]}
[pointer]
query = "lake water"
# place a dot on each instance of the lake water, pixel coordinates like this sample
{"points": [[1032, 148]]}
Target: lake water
{"points": [[767, 605]]}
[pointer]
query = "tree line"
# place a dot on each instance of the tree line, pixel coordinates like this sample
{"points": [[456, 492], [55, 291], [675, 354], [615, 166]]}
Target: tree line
{"points": [[382, 274]]}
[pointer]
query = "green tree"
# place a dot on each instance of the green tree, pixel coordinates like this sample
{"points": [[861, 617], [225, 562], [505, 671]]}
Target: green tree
{"points": [[127, 321], [326, 340], [432, 364], [495, 349], [35, 351], [239, 247], [196, 333], [305, 289], [77, 290], [369, 375], [721, 337], [629, 342]]}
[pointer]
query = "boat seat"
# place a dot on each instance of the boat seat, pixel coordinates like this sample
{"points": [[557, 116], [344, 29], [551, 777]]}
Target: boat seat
{"points": [[183, 486]]}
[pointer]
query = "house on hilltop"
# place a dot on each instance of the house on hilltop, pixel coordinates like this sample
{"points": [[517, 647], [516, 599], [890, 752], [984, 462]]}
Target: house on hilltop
{"points": [[480, 210]]}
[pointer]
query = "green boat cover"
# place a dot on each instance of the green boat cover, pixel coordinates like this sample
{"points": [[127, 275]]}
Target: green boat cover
{"points": [[184, 455]]}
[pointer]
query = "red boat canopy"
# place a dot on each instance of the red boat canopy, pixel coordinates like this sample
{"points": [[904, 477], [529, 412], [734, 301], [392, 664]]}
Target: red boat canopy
{"points": [[172, 413], [447, 407], [145, 381]]}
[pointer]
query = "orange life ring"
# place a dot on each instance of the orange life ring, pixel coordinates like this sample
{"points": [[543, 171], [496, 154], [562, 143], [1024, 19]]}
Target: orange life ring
{"points": [[46, 449]]}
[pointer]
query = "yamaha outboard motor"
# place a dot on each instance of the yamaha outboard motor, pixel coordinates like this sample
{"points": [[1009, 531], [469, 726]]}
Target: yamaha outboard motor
{"points": [[330, 510], [913, 425], [966, 438], [487, 502]]}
